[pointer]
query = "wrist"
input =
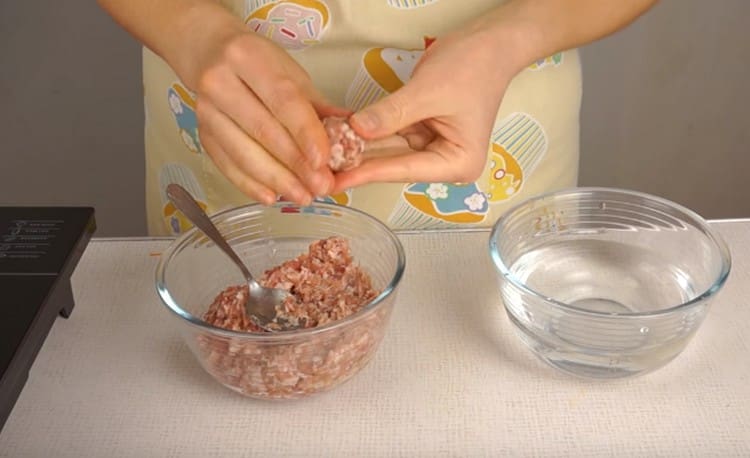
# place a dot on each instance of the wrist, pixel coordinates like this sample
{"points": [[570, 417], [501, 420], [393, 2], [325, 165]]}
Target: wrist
{"points": [[518, 40], [194, 37]]}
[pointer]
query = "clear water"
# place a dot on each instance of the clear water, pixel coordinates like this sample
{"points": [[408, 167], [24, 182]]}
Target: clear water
{"points": [[603, 276]]}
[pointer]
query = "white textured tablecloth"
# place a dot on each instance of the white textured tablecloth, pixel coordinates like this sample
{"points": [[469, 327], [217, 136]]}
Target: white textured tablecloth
{"points": [[450, 379]]}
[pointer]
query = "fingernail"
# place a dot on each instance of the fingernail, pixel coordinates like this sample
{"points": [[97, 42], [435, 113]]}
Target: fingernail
{"points": [[303, 199], [366, 120], [268, 198], [321, 184]]}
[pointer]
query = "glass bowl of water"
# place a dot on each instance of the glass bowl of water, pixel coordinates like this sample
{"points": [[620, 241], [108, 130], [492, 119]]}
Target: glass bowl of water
{"points": [[606, 283]]}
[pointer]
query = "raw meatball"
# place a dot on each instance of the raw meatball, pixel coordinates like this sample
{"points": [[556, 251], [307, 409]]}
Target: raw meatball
{"points": [[346, 146]]}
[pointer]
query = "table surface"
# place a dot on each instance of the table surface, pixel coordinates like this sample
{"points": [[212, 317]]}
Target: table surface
{"points": [[450, 379]]}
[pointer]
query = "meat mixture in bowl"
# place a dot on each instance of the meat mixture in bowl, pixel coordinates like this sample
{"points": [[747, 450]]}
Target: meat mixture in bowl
{"points": [[326, 285]]}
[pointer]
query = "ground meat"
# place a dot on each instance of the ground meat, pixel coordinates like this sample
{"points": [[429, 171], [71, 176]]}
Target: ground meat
{"points": [[228, 311], [326, 285], [346, 146]]}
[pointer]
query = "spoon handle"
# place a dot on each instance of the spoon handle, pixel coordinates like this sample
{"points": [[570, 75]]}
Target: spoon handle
{"points": [[190, 208]]}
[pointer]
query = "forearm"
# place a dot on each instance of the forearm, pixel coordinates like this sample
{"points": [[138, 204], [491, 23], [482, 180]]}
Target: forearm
{"points": [[173, 29], [539, 28]]}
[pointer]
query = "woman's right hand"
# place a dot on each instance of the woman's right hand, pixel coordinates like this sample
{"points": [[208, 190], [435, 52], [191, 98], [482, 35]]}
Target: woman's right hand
{"points": [[258, 112]]}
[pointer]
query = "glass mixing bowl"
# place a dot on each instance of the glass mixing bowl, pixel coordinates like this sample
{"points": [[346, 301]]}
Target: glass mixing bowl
{"points": [[606, 283], [290, 364]]}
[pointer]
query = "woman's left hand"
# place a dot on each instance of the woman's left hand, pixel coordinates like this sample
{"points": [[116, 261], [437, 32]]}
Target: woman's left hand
{"points": [[445, 112]]}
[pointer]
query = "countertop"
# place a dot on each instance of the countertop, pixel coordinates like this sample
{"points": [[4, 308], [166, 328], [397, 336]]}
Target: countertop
{"points": [[450, 378]]}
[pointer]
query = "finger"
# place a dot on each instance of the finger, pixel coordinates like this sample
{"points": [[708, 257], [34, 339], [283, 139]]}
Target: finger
{"points": [[392, 142], [404, 166], [241, 105], [248, 157], [291, 105], [418, 136], [399, 110], [247, 185]]}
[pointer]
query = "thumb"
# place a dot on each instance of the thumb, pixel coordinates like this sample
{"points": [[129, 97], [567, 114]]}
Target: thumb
{"points": [[391, 114]]}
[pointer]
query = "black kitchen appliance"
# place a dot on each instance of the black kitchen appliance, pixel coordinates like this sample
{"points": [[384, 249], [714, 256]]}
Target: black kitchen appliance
{"points": [[39, 250]]}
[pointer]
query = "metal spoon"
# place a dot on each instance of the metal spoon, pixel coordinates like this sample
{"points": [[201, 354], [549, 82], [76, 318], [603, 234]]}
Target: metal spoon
{"points": [[261, 303]]}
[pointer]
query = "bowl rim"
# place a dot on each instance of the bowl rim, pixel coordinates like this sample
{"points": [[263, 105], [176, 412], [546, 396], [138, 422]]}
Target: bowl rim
{"points": [[188, 236], [700, 222]]}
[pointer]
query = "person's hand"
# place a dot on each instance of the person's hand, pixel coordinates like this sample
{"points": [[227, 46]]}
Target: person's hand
{"points": [[445, 114], [258, 113]]}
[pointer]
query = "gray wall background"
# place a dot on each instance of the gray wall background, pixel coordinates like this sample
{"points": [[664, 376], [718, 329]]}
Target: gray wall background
{"points": [[665, 110]]}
